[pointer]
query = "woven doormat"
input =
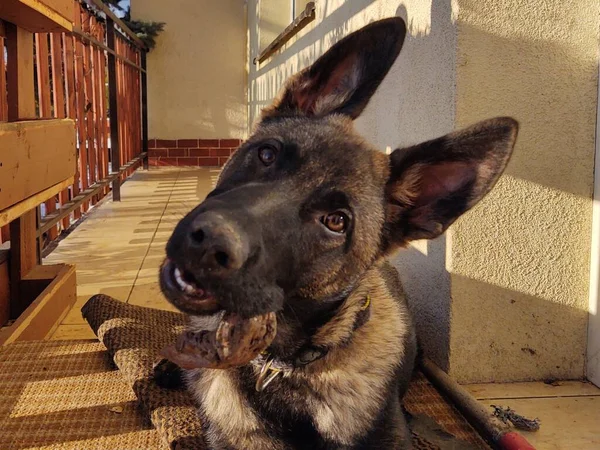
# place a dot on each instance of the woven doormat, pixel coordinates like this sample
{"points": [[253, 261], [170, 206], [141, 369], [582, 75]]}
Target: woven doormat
{"points": [[134, 335], [68, 395]]}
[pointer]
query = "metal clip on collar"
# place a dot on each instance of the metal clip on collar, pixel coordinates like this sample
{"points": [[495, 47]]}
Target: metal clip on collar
{"points": [[267, 374]]}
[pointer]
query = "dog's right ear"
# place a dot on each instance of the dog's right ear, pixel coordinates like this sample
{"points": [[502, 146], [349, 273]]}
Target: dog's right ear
{"points": [[433, 183], [346, 76]]}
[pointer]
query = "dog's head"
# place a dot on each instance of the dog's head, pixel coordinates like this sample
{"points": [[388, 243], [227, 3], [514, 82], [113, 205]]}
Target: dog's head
{"points": [[305, 206]]}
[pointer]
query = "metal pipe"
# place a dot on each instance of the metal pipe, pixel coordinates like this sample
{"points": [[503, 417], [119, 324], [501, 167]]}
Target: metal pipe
{"points": [[491, 428], [115, 159], [144, 76]]}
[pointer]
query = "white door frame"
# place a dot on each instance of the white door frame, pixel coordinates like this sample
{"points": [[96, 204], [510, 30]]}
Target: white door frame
{"points": [[593, 344]]}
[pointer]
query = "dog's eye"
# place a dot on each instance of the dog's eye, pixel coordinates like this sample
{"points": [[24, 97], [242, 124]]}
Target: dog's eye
{"points": [[336, 221], [267, 155]]}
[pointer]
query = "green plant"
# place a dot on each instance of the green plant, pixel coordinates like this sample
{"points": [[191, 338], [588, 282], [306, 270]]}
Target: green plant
{"points": [[146, 31]]}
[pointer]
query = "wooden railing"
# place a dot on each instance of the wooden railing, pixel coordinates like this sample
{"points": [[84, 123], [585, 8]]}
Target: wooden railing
{"points": [[85, 78], [73, 81]]}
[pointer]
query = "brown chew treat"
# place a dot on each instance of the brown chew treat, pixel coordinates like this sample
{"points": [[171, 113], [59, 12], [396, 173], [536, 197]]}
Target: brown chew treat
{"points": [[235, 342]]}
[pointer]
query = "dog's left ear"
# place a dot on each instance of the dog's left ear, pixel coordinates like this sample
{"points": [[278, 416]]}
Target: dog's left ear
{"points": [[346, 76], [433, 183]]}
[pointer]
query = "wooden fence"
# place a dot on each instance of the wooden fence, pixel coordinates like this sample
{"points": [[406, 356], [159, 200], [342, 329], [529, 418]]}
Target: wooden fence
{"points": [[73, 126], [93, 75]]}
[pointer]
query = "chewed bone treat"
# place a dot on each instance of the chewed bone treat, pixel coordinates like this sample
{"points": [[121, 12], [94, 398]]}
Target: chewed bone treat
{"points": [[235, 342]]}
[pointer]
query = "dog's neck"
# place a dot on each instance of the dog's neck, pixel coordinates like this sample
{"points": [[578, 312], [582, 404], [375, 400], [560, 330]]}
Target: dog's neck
{"points": [[347, 314]]}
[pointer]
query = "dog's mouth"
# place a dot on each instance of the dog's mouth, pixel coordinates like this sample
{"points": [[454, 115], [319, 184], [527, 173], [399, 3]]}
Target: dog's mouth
{"points": [[235, 341], [185, 291]]}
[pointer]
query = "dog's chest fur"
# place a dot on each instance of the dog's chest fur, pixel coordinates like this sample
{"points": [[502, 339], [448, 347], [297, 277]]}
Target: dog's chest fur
{"points": [[334, 402]]}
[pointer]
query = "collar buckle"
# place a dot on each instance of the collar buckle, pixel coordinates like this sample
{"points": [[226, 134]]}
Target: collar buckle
{"points": [[267, 374]]}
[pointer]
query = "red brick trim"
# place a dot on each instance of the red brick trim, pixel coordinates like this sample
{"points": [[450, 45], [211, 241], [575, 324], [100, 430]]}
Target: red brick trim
{"points": [[191, 152]]}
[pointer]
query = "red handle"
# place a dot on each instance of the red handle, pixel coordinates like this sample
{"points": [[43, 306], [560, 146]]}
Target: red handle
{"points": [[514, 441]]}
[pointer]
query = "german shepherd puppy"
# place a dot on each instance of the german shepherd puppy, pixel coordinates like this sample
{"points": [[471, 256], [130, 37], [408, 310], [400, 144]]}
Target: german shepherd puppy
{"points": [[298, 226]]}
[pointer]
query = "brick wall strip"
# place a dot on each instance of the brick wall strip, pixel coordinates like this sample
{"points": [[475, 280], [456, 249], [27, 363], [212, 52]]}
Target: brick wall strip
{"points": [[191, 152]]}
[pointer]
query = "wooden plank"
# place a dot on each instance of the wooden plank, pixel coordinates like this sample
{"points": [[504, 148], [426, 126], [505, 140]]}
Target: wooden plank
{"points": [[98, 81], [44, 98], [21, 98], [4, 234], [13, 212], [119, 90], [122, 102], [63, 7], [3, 98], [21, 104], [43, 75], [58, 85], [4, 290], [98, 43], [71, 102], [104, 109], [58, 91], [28, 164], [38, 16], [110, 16], [24, 257], [42, 316], [80, 110], [89, 102], [69, 62]]}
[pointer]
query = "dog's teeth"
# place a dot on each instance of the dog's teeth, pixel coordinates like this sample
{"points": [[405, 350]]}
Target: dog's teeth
{"points": [[179, 279], [189, 289], [183, 285]]}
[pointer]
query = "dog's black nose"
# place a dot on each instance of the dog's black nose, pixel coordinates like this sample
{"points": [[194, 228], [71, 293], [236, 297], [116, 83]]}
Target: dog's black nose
{"points": [[219, 247]]}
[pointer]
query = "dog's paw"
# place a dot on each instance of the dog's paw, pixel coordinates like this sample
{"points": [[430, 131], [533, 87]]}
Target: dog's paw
{"points": [[168, 375]]}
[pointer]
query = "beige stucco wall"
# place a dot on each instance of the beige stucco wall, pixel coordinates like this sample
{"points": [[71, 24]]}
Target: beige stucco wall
{"points": [[273, 17], [197, 72], [519, 262], [503, 296]]}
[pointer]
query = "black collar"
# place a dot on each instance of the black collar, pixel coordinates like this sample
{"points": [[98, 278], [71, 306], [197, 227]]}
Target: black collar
{"points": [[271, 368]]}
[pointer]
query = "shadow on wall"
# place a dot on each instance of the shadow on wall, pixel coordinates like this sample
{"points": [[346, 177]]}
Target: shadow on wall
{"points": [[529, 240], [517, 296], [508, 335], [519, 260], [426, 69]]}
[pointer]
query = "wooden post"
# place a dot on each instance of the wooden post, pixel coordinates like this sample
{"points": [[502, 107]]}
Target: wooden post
{"points": [[21, 105], [115, 162], [70, 90], [88, 68], [58, 92], [20, 85], [144, 109], [3, 105], [45, 108], [5, 230], [80, 114]]}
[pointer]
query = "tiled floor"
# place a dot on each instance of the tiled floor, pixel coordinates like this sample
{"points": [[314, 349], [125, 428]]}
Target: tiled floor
{"points": [[118, 249], [569, 411]]}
